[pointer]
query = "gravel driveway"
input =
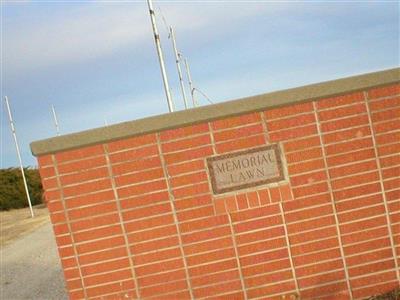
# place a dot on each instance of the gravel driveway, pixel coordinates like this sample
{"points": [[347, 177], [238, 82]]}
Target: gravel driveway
{"points": [[30, 268]]}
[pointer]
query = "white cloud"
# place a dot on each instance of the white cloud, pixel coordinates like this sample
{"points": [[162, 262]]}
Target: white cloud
{"points": [[94, 31]]}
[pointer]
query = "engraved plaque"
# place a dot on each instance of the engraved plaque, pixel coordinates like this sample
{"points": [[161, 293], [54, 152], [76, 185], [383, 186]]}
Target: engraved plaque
{"points": [[245, 169]]}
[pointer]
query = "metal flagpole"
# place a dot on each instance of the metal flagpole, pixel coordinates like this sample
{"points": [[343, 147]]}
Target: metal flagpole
{"points": [[18, 153], [55, 120], [160, 55], [178, 65], [190, 82]]}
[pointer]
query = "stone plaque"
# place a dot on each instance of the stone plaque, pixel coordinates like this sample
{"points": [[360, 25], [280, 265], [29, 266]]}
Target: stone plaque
{"points": [[245, 169]]}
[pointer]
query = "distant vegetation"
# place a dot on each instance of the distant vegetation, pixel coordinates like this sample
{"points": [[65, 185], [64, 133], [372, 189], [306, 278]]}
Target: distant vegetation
{"points": [[12, 191]]}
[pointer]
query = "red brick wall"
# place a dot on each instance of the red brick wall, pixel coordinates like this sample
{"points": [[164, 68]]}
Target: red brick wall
{"points": [[137, 218]]}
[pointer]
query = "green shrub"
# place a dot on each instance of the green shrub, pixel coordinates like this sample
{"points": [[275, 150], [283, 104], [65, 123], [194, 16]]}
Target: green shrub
{"points": [[12, 191]]}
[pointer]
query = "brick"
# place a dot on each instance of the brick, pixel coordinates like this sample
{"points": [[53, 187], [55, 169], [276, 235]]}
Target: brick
{"points": [[74, 284], [365, 224], [234, 295], [331, 254], [45, 160], [109, 277], [388, 138], [149, 222], [134, 154], [85, 164], [140, 189], [321, 278], [52, 195], [110, 288], [220, 288], [279, 288], [267, 233], [296, 121], [163, 288], [367, 246], [305, 202], [320, 267], [376, 278], [189, 179], [355, 168], [361, 213], [183, 132], [317, 234], [210, 245], [388, 150], [390, 161], [145, 200], [161, 255], [301, 144], [163, 277], [49, 183], [98, 233], [213, 278], [386, 91], [66, 251], [157, 267], [231, 134], [134, 142], [60, 229], [324, 290], [277, 243], [186, 155], [58, 217], [355, 180], [238, 144], [391, 172], [85, 188], [308, 178], [241, 201], [256, 213], [315, 246], [317, 188], [79, 153], [200, 259], [275, 194], [342, 112], [307, 166], [188, 143], [71, 274], [212, 268], [376, 289], [46, 172], [193, 202], [263, 195], [155, 245], [230, 204], [136, 165], [253, 199], [205, 223], [148, 175], [98, 245], [54, 206], [236, 121], [293, 133], [257, 224], [268, 278], [108, 254], [186, 167], [90, 199], [350, 146], [192, 190], [305, 225], [204, 235], [309, 213], [289, 110], [344, 123], [340, 100], [351, 157], [296, 157], [141, 213], [357, 191], [152, 234], [92, 211], [347, 134], [372, 268], [64, 240], [196, 213], [359, 203], [76, 294], [363, 258], [385, 115], [94, 222], [387, 126], [261, 264], [220, 206]]}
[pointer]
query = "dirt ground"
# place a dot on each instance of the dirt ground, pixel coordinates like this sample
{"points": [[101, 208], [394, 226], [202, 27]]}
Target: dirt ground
{"points": [[29, 264]]}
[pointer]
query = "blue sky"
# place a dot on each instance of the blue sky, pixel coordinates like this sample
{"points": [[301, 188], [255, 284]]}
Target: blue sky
{"points": [[96, 60]]}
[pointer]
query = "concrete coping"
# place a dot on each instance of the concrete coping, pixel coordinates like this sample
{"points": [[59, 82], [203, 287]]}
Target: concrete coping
{"points": [[216, 111]]}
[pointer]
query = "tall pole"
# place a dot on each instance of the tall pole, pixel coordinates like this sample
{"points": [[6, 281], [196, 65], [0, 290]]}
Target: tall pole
{"points": [[55, 120], [190, 82], [178, 65], [18, 153], [160, 55]]}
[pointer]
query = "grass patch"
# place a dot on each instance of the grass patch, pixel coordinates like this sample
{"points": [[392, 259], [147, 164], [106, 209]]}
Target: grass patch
{"points": [[393, 295]]}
